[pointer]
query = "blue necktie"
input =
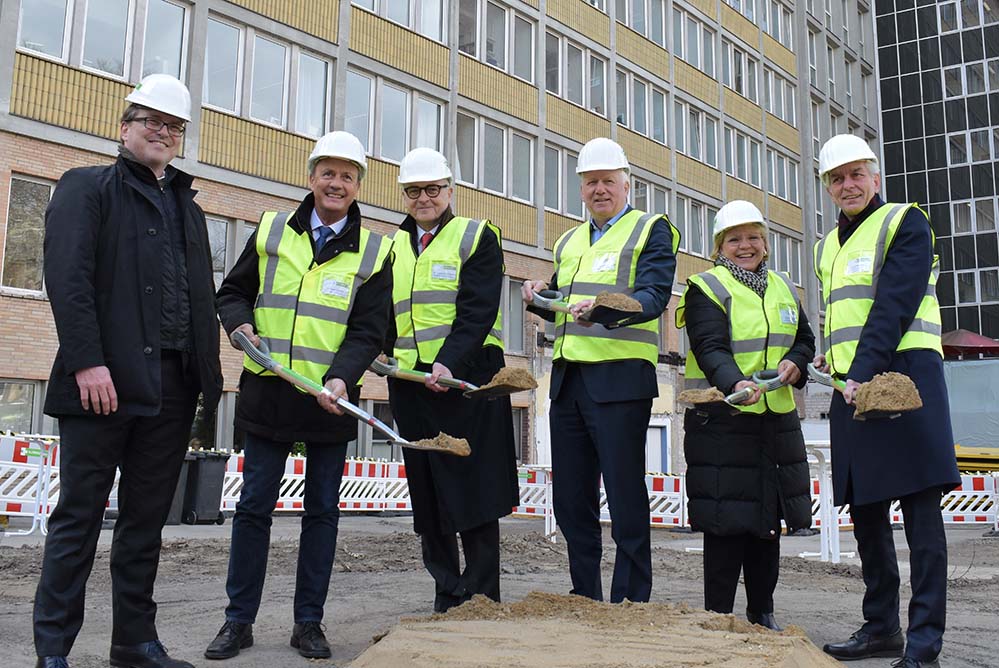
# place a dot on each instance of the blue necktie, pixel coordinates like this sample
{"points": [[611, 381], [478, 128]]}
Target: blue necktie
{"points": [[325, 232]]}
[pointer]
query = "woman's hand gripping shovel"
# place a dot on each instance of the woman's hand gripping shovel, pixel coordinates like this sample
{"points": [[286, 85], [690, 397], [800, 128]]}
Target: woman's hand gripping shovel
{"points": [[879, 398], [607, 308], [506, 382], [261, 355], [765, 382]]}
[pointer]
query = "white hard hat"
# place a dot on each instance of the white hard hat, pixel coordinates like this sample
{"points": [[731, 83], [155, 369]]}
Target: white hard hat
{"points": [[423, 164], [735, 213], [162, 92], [842, 150], [602, 153], [342, 145]]}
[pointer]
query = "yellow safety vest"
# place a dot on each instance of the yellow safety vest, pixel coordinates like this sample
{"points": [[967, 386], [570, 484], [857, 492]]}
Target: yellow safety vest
{"points": [[302, 308], [849, 278], [582, 270], [761, 331], [425, 290]]}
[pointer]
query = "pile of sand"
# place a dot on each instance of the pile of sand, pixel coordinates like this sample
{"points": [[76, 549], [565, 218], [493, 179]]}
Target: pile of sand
{"points": [[618, 302], [710, 395], [512, 378], [553, 630], [444, 443], [888, 392]]}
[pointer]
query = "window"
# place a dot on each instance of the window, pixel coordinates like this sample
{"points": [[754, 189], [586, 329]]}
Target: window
{"points": [[218, 230], [785, 255], [646, 17], [268, 86], [973, 216], [490, 32], [582, 79], [553, 49], [641, 107], [776, 20], [953, 82], [22, 251], [504, 163], [820, 229], [693, 42], [746, 7], [513, 318], [696, 133], [813, 68], [622, 98], [106, 36], [742, 156], [552, 187], [832, 72], [404, 119], [844, 15], [423, 16], [17, 406], [739, 71], [782, 176], [44, 27], [965, 14], [639, 194], [597, 96], [778, 96], [223, 65], [848, 79], [692, 220], [164, 47], [310, 105], [816, 131], [561, 182]]}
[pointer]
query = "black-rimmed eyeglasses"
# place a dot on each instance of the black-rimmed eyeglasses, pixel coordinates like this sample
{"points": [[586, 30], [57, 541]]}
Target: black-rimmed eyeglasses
{"points": [[155, 124], [433, 190]]}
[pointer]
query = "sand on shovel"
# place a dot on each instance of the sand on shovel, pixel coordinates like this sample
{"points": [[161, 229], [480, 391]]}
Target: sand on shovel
{"points": [[709, 396], [444, 443], [889, 392], [618, 302], [559, 631], [512, 378]]}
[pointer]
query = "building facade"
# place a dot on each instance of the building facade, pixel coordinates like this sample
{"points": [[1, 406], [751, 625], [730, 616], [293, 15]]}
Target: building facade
{"points": [[712, 100], [938, 65]]}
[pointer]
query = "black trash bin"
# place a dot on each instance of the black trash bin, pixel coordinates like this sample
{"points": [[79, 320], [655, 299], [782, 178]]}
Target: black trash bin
{"points": [[203, 497], [177, 505]]}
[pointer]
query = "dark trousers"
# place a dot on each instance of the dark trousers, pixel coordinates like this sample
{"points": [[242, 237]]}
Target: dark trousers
{"points": [[589, 439], [149, 451], [452, 586], [924, 532], [725, 557], [263, 468]]}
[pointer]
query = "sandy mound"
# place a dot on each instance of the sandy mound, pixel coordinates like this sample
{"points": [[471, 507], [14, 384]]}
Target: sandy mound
{"points": [[444, 443], [509, 377], [707, 396], [572, 632], [888, 392], [618, 302]]}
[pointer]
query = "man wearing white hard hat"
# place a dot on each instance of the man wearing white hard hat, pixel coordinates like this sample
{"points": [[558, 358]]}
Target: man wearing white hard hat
{"points": [[604, 372], [129, 277], [746, 468], [447, 284], [315, 286], [878, 273]]}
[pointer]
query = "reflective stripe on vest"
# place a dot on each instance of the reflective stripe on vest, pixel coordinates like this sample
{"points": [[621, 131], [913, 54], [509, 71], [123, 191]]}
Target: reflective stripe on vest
{"points": [[425, 290], [849, 276], [582, 270], [761, 331], [302, 308]]}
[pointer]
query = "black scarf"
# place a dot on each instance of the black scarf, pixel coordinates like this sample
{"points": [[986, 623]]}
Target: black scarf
{"points": [[754, 280]]}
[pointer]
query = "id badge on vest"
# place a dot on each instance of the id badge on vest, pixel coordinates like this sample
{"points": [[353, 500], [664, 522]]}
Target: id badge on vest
{"points": [[604, 262], [859, 262], [334, 287], [443, 271], [788, 314]]}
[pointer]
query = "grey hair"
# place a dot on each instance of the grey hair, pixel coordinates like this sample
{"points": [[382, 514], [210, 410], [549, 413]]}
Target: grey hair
{"points": [[131, 112], [873, 169]]}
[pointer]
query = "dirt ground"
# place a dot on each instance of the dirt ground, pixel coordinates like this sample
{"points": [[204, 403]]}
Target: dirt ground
{"points": [[379, 579]]}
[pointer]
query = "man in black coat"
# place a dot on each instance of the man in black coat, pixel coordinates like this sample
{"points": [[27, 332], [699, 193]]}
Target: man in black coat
{"points": [[909, 458], [451, 495], [318, 253], [129, 276]]}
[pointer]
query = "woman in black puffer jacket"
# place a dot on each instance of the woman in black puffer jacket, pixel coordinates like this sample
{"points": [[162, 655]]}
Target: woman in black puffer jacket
{"points": [[746, 466]]}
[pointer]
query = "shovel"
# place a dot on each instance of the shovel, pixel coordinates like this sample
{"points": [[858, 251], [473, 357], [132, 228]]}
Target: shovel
{"points": [[550, 300], [553, 300], [261, 355], [492, 390], [839, 386], [765, 380]]}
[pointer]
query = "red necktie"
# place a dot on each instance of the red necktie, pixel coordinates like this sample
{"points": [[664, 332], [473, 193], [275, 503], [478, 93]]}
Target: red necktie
{"points": [[425, 240]]}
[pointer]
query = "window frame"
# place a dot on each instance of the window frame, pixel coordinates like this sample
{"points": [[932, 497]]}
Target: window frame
{"points": [[10, 289], [126, 58], [185, 37], [242, 34], [283, 125], [67, 30]]}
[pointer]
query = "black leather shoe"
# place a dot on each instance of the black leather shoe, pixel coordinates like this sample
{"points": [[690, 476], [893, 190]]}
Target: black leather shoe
{"points": [[231, 638], [909, 662], [150, 654], [51, 662], [862, 645], [765, 619], [310, 641]]}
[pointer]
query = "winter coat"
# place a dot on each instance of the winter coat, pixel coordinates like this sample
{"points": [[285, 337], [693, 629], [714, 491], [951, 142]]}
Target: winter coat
{"points": [[104, 237]]}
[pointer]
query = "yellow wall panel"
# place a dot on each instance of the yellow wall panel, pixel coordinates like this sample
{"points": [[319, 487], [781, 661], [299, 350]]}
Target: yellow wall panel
{"points": [[643, 52], [248, 147], [709, 7], [688, 265], [785, 213], [59, 95], [698, 176], [390, 43], [381, 186], [643, 152], [516, 220], [695, 82], [780, 55], [582, 17], [496, 89], [316, 17], [574, 122], [735, 22], [743, 110], [783, 133], [555, 226], [736, 189]]}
